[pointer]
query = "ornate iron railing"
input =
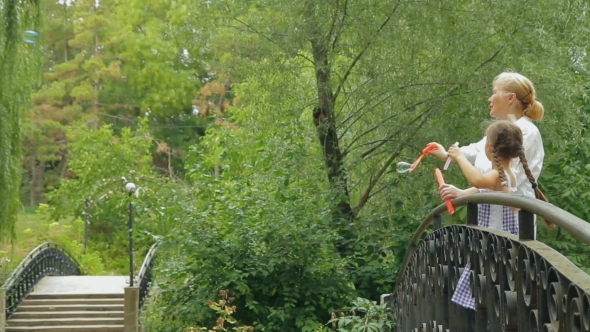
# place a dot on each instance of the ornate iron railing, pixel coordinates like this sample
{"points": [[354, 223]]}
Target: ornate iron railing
{"points": [[519, 284], [145, 273], [45, 260]]}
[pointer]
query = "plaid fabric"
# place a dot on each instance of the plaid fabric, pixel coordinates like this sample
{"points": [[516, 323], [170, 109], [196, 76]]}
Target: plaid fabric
{"points": [[498, 217], [463, 295]]}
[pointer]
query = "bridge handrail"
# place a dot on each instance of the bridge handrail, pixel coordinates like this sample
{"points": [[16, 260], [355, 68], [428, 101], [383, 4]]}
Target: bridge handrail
{"points": [[22, 279], [575, 226], [144, 277], [30, 256], [511, 280]]}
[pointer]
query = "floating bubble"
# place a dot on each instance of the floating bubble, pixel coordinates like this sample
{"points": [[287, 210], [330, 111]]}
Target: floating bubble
{"points": [[30, 36], [403, 167]]}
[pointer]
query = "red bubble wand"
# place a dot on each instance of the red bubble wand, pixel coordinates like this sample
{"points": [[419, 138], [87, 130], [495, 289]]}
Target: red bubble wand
{"points": [[429, 148], [441, 181]]}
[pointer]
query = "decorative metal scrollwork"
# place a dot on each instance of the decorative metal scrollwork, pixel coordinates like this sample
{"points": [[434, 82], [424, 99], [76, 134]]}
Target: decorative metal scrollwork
{"points": [[145, 273], [519, 284], [47, 259]]}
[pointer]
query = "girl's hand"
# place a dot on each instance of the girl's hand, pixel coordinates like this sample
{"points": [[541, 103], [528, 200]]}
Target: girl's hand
{"points": [[440, 152], [449, 191], [455, 153]]}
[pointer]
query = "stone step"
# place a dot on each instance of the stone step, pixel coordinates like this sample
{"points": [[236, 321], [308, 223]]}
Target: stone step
{"points": [[29, 302], [67, 328], [53, 296], [66, 321], [71, 307], [65, 314]]}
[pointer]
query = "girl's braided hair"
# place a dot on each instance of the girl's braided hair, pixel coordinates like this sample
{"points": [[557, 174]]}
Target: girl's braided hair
{"points": [[507, 143]]}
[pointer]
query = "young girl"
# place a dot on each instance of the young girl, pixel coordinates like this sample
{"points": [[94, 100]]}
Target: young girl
{"points": [[504, 143]]}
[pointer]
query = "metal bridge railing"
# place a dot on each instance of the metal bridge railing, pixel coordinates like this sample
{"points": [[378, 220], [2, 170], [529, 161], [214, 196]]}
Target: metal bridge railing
{"points": [[145, 273], [519, 284], [46, 259]]}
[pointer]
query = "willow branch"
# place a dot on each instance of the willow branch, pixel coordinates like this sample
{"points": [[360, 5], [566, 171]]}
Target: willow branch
{"points": [[362, 52]]}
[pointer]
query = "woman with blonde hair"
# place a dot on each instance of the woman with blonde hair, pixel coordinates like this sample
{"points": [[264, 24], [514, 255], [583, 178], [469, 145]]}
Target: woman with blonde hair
{"points": [[513, 98]]}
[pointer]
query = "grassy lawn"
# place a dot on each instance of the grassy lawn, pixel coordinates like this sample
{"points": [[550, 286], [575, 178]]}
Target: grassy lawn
{"points": [[31, 230]]}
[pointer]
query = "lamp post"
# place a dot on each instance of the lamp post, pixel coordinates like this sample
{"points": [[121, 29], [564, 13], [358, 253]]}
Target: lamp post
{"points": [[130, 189]]}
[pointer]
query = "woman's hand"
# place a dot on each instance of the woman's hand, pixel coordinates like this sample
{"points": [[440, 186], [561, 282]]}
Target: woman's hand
{"points": [[449, 191], [440, 152]]}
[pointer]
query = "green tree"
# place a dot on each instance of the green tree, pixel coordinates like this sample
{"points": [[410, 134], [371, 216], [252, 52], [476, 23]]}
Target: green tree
{"points": [[389, 77], [75, 71], [105, 65], [19, 65], [164, 72], [564, 179], [101, 163], [45, 155]]}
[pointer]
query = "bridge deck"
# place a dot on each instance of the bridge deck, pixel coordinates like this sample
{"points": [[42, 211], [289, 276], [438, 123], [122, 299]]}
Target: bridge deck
{"points": [[82, 285]]}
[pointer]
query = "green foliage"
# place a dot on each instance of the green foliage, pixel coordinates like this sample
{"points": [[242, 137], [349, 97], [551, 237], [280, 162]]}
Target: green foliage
{"points": [[223, 310], [565, 175], [90, 261], [398, 75], [262, 229], [364, 316], [573, 249], [564, 181], [103, 163], [156, 59], [32, 229], [110, 63], [19, 65]]}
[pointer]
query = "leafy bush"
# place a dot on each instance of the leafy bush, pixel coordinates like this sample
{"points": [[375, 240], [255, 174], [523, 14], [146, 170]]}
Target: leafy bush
{"points": [[364, 316], [564, 181], [90, 261], [262, 230]]}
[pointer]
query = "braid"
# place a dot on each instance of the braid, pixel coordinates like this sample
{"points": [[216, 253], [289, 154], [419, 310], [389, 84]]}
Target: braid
{"points": [[498, 161], [527, 171], [538, 193]]}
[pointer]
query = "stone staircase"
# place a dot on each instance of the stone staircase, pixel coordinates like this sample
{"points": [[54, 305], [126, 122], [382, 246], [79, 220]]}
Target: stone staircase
{"points": [[68, 312], [64, 304]]}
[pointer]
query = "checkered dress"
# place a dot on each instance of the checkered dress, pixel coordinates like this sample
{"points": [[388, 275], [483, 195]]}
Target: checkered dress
{"points": [[492, 216]]}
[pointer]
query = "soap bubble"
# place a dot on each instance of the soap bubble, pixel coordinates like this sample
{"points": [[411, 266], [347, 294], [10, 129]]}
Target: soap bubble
{"points": [[403, 167], [30, 36]]}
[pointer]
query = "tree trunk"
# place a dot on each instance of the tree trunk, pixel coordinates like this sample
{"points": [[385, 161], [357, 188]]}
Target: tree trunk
{"points": [[66, 51], [96, 83], [40, 183], [217, 172], [325, 123], [33, 181], [64, 166], [65, 24]]}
